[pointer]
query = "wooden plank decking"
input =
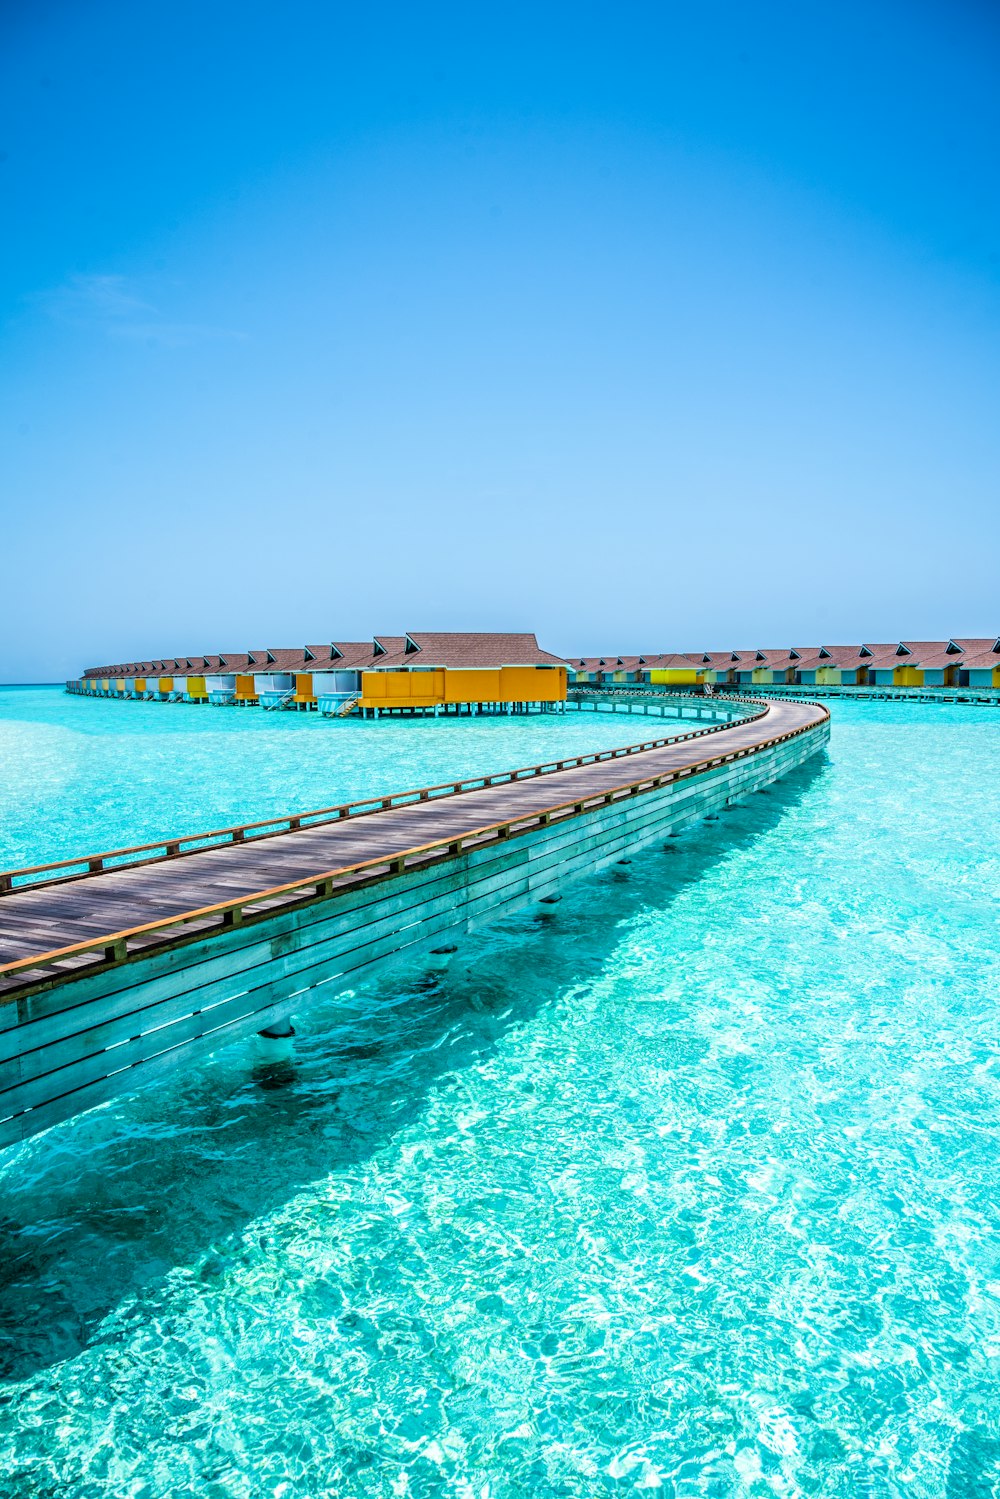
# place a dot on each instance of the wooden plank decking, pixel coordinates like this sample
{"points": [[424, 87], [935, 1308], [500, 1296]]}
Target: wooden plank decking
{"points": [[48, 933]]}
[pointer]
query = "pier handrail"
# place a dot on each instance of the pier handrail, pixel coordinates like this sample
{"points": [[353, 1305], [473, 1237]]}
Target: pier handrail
{"points": [[114, 946], [193, 843]]}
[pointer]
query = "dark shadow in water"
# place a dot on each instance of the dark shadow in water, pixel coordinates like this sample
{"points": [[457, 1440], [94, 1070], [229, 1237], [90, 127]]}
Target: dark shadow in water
{"points": [[100, 1210]]}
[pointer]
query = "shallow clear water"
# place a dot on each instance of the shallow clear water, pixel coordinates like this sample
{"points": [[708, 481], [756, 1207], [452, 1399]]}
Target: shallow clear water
{"points": [[693, 1186], [80, 775]]}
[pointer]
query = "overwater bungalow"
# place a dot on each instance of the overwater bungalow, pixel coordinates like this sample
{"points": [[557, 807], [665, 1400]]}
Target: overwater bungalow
{"points": [[589, 671], [451, 671], [882, 662], [163, 681], [272, 688], [599, 671], [963, 663], [323, 669], [172, 681], [194, 680], [749, 662], [627, 669], [900, 665], [337, 681], [286, 680], [221, 687], [759, 666], [930, 665], [772, 667], [980, 667], [844, 665], [240, 665], [673, 669], [717, 668], [832, 666]]}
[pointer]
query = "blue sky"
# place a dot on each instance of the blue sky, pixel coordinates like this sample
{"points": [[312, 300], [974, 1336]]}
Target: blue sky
{"points": [[645, 326]]}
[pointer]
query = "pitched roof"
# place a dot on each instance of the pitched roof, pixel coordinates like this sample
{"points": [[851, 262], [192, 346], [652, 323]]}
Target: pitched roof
{"points": [[981, 646], [718, 660], [673, 661], [941, 659], [964, 653], [460, 649], [983, 660], [881, 656], [918, 649], [288, 658], [361, 655], [844, 655], [609, 663], [389, 645], [323, 657], [749, 660], [780, 657], [847, 657]]}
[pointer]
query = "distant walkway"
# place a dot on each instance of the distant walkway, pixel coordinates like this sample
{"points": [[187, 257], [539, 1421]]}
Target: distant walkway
{"points": [[639, 692]]}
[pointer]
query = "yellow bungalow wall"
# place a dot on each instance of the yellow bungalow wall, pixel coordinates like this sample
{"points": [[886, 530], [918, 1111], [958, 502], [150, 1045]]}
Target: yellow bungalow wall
{"points": [[907, 676], [436, 687], [245, 688], [196, 687], [469, 686], [304, 687], [532, 684], [675, 675], [402, 689]]}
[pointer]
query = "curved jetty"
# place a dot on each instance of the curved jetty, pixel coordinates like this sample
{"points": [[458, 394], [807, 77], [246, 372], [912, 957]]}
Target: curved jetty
{"points": [[111, 977]]}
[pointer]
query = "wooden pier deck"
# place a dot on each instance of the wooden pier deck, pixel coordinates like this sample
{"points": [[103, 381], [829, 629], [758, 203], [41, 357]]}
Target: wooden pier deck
{"points": [[64, 924], [112, 977]]}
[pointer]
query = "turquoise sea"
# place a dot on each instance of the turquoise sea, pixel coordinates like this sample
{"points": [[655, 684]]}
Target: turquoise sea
{"points": [[691, 1187]]}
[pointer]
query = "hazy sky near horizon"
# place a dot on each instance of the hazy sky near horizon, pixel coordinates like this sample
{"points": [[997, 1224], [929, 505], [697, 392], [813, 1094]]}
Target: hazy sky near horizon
{"points": [[645, 326]]}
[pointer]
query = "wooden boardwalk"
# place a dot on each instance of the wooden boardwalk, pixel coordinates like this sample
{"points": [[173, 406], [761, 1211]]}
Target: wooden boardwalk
{"points": [[49, 932]]}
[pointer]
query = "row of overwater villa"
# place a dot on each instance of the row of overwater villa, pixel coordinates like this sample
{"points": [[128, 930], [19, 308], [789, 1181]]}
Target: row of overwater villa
{"points": [[464, 673], [418, 672], [910, 664]]}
